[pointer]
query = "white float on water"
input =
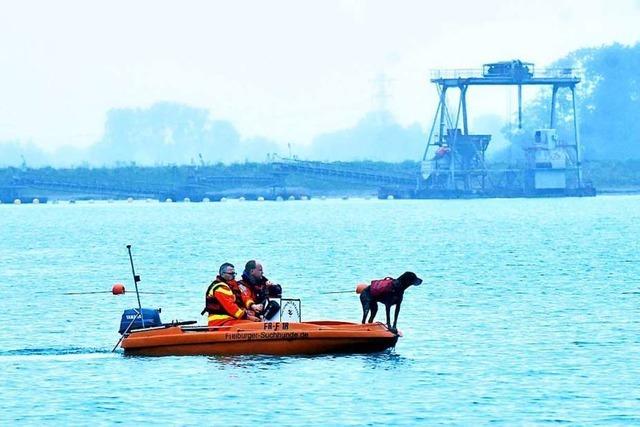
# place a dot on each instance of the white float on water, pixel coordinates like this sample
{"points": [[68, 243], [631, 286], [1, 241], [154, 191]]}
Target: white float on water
{"points": [[168, 200], [241, 199], [129, 199], [186, 200], [390, 197], [260, 199], [36, 201], [292, 197], [304, 198], [206, 200], [279, 199], [17, 202]]}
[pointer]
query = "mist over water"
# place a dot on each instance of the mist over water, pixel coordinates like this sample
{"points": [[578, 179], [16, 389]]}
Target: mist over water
{"points": [[528, 312]]}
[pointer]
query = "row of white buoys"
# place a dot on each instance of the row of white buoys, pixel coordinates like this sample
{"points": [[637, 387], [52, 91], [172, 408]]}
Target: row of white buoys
{"points": [[35, 201], [259, 199], [279, 198]]}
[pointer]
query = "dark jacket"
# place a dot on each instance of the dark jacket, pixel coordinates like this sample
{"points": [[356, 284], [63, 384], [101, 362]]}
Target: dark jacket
{"points": [[260, 289]]}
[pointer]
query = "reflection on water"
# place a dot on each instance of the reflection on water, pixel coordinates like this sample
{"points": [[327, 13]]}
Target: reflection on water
{"points": [[70, 357], [52, 351], [387, 360]]}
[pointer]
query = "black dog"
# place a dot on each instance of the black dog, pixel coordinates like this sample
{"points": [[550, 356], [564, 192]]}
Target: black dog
{"points": [[389, 292]]}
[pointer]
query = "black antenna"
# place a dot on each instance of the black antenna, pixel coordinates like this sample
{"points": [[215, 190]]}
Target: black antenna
{"points": [[136, 279]]}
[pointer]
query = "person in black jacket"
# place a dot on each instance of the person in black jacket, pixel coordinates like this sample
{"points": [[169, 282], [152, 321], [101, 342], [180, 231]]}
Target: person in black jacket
{"points": [[256, 290]]}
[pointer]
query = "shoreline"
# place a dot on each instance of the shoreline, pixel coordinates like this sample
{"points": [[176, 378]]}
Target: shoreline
{"points": [[317, 197]]}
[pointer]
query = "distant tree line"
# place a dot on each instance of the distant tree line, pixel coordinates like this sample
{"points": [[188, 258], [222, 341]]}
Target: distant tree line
{"points": [[608, 103], [169, 133]]}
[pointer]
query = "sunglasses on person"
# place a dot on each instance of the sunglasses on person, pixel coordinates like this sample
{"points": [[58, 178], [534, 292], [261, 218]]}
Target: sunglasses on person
{"points": [[230, 274]]}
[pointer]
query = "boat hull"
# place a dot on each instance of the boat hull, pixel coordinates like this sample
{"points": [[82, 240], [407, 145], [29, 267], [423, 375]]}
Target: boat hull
{"points": [[306, 338]]}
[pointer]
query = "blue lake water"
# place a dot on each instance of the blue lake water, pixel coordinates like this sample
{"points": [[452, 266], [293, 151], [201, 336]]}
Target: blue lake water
{"points": [[529, 312]]}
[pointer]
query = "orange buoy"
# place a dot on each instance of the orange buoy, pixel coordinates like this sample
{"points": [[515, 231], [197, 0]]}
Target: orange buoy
{"points": [[361, 287], [118, 289]]}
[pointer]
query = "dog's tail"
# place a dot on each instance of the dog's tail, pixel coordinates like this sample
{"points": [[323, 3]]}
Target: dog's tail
{"points": [[361, 287]]}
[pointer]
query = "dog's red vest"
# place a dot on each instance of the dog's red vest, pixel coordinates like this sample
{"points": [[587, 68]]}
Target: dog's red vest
{"points": [[381, 287]]}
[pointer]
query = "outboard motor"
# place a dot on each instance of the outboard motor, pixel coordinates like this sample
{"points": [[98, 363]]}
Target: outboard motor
{"points": [[151, 317]]}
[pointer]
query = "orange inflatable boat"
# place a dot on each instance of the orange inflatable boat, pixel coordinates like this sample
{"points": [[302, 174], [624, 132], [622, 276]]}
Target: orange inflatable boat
{"points": [[279, 338]]}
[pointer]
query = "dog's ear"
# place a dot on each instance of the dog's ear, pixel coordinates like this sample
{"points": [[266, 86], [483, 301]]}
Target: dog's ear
{"points": [[410, 278], [408, 275]]}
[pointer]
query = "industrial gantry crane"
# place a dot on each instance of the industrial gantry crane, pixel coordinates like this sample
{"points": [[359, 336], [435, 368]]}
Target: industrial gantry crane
{"points": [[453, 164]]}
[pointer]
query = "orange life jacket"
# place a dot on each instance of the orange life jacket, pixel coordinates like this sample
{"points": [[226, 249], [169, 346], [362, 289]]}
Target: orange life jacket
{"points": [[211, 303]]}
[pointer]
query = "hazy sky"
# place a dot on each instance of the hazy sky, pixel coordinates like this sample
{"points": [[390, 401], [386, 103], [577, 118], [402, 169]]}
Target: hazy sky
{"points": [[287, 70]]}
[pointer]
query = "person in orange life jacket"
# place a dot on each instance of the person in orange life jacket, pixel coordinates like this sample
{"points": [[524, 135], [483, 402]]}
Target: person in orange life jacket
{"points": [[223, 300], [256, 290]]}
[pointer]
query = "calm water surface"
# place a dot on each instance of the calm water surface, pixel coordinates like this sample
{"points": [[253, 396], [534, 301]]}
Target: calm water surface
{"points": [[529, 312]]}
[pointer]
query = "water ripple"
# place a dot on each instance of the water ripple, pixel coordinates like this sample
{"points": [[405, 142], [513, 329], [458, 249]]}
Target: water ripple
{"points": [[524, 317]]}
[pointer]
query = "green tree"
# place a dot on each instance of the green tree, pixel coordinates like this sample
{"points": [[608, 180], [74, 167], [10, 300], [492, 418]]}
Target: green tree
{"points": [[608, 103]]}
